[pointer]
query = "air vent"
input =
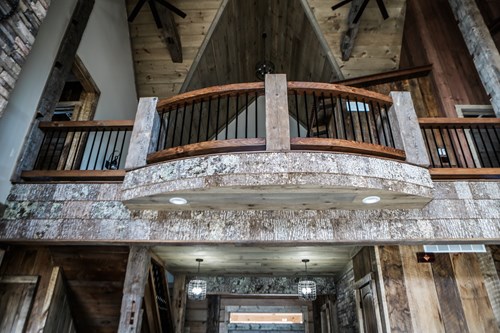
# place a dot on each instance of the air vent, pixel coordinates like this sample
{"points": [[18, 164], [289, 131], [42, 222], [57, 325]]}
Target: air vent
{"points": [[455, 248]]}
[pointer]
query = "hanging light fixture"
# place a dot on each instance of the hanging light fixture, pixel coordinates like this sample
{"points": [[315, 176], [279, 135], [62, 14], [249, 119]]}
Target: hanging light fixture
{"points": [[307, 288], [197, 289], [264, 67]]}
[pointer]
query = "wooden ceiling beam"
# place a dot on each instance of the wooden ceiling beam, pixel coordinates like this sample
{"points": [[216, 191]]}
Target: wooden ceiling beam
{"points": [[347, 44], [170, 33]]}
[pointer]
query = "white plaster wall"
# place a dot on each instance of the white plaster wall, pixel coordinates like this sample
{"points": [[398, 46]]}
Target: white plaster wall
{"points": [[20, 111], [105, 51]]}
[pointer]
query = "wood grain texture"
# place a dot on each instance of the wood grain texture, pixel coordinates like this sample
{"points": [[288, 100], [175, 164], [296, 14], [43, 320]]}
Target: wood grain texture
{"points": [[179, 302], [347, 146], [459, 122], [464, 173], [208, 147], [277, 122], [421, 291], [74, 175], [476, 305], [86, 125], [448, 294], [395, 288], [388, 77]]}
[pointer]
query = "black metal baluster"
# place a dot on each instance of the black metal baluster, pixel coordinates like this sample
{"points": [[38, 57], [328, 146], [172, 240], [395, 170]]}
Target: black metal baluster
{"points": [[208, 117], [458, 135], [391, 137], [359, 120], [377, 134], [315, 108], [199, 122], [342, 119], [38, 156], [437, 147], [99, 150], [454, 150], [227, 115], [446, 154], [183, 125], [485, 146], [158, 139], [54, 150], [77, 150], [91, 149], [470, 148], [122, 146], [429, 150], [349, 111], [382, 125], [325, 118], [167, 127], [175, 124], [297, 113], [335, 133], [106, 151], [246, 115], [365, 105], [191, 123], [492, 145], [256, 114], [307, 116], [217, 118], [236, 115]]}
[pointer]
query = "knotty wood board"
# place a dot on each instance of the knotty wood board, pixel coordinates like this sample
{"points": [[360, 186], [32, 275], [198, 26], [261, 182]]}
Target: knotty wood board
{"points": [[476, 306], [421, 291], [448, 294], [395, 289]]}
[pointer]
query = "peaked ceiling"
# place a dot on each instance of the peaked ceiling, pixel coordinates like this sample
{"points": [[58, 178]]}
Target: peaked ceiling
{"points": [[248, 32], [222, 40]]}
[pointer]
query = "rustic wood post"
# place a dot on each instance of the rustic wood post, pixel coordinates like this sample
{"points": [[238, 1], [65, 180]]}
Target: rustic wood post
{"points": [[136, 276], [213, 313], [277, 119], [406, 130], [145, 133], [179, 306]]}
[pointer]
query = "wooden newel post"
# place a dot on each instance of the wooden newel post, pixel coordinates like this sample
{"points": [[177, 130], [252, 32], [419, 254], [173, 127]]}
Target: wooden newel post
{"points": [[133, 290], [277, 119]]}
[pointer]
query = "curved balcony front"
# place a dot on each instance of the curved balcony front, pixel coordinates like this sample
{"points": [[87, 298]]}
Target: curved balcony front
{"points": [[278, 145]]}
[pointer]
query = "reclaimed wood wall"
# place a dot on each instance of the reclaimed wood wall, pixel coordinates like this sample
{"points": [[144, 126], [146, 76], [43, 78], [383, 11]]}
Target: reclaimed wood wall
{"points": [[448, 295], [431, 36], [17, 35], [197, 312]]}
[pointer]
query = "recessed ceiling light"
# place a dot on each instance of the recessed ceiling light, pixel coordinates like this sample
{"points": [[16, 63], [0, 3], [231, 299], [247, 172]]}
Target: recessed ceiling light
{"points": [[178, 201], [371, 200]]}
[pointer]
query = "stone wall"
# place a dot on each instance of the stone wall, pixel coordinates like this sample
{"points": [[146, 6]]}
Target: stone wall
{"points": [[17, 35], [460, 211], [346, 302]]}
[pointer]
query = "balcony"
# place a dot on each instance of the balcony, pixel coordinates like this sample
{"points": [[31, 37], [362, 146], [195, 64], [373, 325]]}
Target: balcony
{"points": [[276, 145], [272, 145]]}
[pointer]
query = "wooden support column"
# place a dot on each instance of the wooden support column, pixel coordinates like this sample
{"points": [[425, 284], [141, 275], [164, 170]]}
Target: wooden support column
{"points": [[277, 119], [179, 304], [55, 82], [213, 313], [406, 130], [145, 133], [139, 260], [481, 46]]}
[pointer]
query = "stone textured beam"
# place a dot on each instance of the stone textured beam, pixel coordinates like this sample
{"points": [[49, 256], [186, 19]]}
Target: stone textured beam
{"points": [[246, 285], [481, 46], [406, 130], [76, 213], [145, 133]]}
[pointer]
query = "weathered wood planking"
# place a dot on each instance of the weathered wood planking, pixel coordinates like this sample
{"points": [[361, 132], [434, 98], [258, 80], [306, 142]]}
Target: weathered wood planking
{"points": [[395, 288], [449, 298], [378, 43], [476, 306], [56, 315], [422, 296], [179, 300], [439, 41]]}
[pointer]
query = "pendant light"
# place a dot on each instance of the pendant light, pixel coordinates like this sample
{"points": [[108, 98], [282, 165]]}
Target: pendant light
{"points": [[197, 289], [307, 288]]}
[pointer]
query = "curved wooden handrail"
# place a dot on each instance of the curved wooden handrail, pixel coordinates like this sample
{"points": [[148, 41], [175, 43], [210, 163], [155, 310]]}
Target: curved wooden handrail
{"points": [[346, 146], [84, 125], [225, 90], [338, 89], [459, 122]]}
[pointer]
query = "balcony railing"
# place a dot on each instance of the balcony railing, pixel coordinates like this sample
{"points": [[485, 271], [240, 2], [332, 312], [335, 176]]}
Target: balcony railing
{"points": [[232, 118], [463, 147], [72, 150]]}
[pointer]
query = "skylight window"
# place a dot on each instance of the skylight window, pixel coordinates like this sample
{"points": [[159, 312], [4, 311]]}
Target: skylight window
{"points": [[357, 107]]}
